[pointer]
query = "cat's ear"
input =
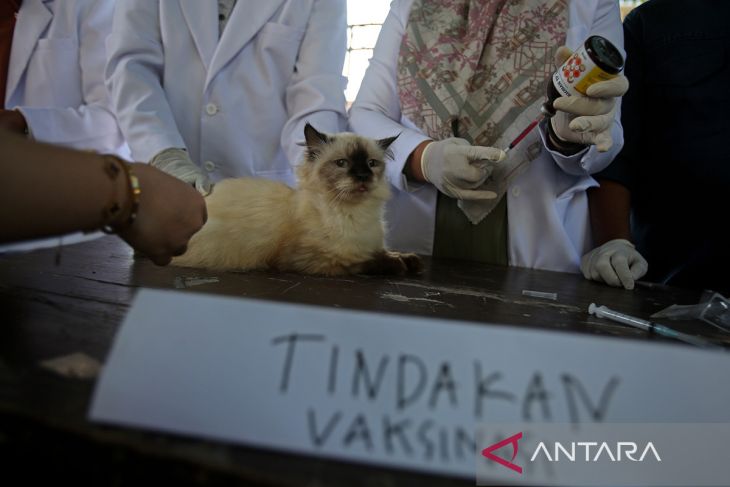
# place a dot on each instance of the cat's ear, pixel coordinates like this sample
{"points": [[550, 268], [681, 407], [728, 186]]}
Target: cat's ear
{"points": [[313, 137], [315, 140], [385, 143]]}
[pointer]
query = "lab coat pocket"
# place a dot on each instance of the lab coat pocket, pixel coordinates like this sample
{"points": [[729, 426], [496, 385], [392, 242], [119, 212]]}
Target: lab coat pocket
{"points": [[54, 73], [278, 46]]}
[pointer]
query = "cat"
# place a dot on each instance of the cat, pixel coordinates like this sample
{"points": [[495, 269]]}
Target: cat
{"points": [[331, 225]]}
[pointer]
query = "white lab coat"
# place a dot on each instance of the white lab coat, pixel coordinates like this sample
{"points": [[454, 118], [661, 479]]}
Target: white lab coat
{"points": [[237, 105], [546, 205], [56, 73]]}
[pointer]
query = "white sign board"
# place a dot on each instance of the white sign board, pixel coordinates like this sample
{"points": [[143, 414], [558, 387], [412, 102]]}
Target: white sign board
{"points": [[384, 389]]}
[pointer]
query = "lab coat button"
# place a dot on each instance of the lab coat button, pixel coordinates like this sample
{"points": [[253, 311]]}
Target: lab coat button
{"points": [[515, 191], [209, 166], [211, 109]]}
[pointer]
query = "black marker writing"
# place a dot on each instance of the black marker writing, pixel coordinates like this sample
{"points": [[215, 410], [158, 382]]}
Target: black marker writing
{"points": [[597, 412], [406, 398], [444, 381], [536, 392], [292, 341], [483, 390], [362, 371]]}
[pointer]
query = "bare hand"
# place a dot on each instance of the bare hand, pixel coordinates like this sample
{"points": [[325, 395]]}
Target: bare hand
{"points": [[13, 121], [170, 212]]}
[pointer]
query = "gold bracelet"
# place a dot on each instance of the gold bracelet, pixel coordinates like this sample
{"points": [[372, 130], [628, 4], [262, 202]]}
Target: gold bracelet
{"points": [[111, 212]]}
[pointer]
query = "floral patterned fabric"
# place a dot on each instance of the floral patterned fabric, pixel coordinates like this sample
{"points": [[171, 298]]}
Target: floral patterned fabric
{"points": [[477, 69]]}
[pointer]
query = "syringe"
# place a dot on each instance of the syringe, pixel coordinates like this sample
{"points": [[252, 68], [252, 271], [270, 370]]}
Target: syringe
{"points": [[604, 312], [524, 133]]}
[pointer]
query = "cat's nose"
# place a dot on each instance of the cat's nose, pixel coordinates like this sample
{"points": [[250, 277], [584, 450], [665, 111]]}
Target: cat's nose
{"points": [[362, 177]]}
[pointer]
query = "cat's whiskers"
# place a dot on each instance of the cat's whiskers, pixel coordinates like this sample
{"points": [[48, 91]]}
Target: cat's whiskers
{"points": [[340, 195], [345, 191]]}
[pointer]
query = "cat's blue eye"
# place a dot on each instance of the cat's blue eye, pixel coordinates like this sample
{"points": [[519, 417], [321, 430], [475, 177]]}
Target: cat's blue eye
{"points": [[341, 162], [373, 163]]}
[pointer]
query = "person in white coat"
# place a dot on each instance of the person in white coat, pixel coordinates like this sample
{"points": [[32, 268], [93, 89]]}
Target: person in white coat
{"points": [[206, 92], [54, 82], [459, 79]]}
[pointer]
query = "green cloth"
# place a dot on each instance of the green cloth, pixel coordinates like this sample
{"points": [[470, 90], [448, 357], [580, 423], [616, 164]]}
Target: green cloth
{"points": [[457, 238]]}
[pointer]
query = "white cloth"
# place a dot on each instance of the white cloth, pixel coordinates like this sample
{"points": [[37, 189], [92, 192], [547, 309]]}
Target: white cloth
{"points": [[56, 73], [238, 104], [547, 204]]}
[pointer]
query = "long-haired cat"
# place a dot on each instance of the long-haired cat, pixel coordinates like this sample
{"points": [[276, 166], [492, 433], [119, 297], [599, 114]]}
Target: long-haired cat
{"points": [[332, 224]]}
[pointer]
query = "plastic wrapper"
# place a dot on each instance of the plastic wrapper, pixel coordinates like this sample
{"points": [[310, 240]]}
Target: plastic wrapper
{"points": [[713, 308]]}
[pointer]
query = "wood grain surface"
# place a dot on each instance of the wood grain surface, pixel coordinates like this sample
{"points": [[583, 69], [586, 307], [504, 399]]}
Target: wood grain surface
{"points": [[53, 309]]}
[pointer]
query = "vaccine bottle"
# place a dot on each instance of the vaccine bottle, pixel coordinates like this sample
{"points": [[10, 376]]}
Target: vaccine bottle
{"points": [[596, 60]]}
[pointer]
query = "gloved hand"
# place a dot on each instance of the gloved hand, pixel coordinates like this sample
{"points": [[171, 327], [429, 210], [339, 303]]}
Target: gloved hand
{"points": [[617, 263], [457, 168], [588, 119], [176, 162]]}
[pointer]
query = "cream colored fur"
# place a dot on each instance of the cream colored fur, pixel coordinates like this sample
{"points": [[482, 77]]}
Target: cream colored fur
{"points": [[330, 225]]}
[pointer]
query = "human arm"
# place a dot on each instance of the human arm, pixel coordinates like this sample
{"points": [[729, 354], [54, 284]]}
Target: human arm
{"points": [[52, 190], [609, 206], [13, 121], [315, 92], [91, 124], [134, 73], [134, 78], [615, 261]]}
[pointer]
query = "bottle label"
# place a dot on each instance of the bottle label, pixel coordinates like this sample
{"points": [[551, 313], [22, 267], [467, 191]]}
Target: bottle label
{"points": [[578, 73]]}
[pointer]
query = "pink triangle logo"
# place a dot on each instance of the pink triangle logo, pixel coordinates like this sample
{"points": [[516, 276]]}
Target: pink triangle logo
{"points": [[487, 452]]}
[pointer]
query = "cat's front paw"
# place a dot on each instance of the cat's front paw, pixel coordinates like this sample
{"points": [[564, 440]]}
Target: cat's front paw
{"points": [[413, 262], [392, 264]]}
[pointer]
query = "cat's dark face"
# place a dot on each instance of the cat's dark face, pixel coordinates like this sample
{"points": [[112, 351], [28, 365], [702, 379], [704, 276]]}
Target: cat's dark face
{"points": [[349, 167]]}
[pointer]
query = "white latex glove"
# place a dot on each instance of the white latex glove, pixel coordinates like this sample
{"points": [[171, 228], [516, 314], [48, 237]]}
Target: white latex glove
{"points": [[617, 263], [457, 168], [588, 119], [176, 162]]}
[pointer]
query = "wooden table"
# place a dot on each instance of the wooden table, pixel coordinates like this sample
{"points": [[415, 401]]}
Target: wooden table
{"points": [[51, 310]]}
